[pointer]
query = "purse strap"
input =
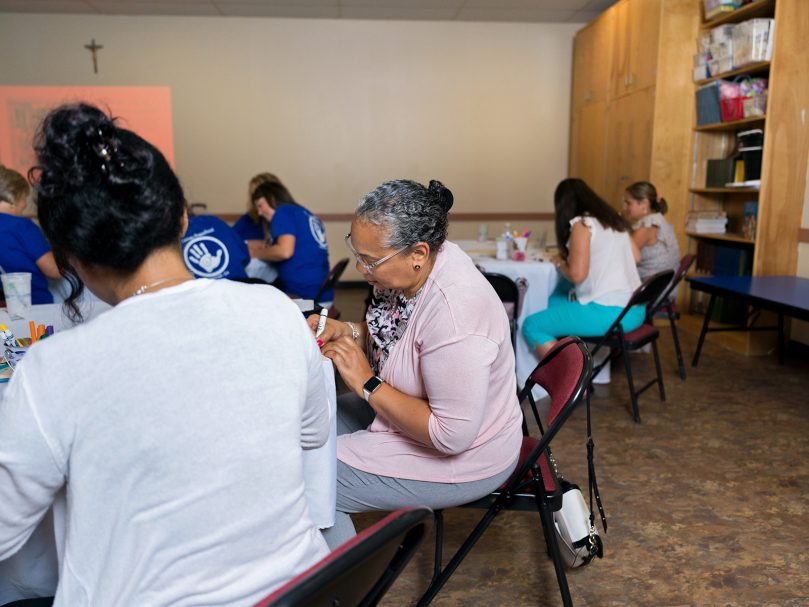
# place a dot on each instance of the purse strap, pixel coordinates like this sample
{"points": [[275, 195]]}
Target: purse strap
{"points": [[592, 484]]}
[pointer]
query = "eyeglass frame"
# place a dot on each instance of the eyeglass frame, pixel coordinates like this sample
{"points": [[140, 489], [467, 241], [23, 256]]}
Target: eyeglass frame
{"points": [[369, 267]]}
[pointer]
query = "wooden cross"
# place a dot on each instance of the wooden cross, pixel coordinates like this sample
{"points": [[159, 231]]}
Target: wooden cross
{"points": [[93, 48]]}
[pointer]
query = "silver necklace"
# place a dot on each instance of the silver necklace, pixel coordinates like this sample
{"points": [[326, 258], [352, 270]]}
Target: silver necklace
{"points": [[143, 288]]}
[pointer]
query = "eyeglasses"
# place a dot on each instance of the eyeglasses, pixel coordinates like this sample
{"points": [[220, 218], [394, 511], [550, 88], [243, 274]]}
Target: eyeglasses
{"points": [[369, 267]]}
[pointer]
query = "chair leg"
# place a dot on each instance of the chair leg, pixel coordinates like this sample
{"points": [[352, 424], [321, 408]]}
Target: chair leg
{"points": [[438, 581], [677, 349], [633, 396], [548, 529], [659, 371], [439, 544]]}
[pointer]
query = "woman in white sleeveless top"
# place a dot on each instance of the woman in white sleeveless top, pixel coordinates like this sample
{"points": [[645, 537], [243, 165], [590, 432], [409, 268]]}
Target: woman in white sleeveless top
{"points": [[597, 261]]}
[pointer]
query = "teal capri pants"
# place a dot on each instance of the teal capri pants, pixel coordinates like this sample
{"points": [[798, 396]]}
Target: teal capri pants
{"points": [[563, 318]]}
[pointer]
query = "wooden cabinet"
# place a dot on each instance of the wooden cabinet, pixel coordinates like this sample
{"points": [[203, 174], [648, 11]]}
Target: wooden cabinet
{"points": [[635, 124], [592, 60], [629, 142], [634, 62], [782, 189]]}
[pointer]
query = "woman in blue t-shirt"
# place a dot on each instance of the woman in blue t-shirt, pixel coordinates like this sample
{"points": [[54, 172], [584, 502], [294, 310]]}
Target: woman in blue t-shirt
{"points": [[298, 242], [24, 248]]}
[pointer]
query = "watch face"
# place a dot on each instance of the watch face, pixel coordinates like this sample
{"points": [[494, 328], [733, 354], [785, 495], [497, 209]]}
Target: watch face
{"points": [[370, 386]]}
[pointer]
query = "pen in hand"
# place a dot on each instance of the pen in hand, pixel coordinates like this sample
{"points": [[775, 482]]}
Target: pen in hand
{"points": [[321, 323]]}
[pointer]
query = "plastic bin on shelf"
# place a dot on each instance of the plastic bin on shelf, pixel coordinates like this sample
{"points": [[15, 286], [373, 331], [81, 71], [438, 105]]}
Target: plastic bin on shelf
{"points": [[732, 108], [755, 105]]}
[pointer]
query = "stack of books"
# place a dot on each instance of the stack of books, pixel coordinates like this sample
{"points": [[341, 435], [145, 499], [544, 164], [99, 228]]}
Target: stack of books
{"points": [[706, 222]]}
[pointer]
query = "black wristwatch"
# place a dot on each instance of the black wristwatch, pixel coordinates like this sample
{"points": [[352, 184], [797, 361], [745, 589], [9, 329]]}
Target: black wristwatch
{"points": [[371, 386]]}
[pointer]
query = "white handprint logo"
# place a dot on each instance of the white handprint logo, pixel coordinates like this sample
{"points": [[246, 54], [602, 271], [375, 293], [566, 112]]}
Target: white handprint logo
{"points": [[206, 256]]}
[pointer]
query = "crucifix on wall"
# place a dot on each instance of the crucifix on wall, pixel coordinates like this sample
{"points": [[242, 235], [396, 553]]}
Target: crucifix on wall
{"points": [[93, 48]]}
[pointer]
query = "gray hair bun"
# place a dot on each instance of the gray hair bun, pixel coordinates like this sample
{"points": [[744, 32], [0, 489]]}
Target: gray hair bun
{"points": [[441, 194]]}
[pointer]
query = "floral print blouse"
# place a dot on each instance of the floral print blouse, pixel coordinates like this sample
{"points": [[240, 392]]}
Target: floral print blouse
{"points": [[387, 318]]}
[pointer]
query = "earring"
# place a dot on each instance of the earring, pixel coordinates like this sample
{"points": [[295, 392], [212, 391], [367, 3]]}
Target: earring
{"points": [[417, 267]]}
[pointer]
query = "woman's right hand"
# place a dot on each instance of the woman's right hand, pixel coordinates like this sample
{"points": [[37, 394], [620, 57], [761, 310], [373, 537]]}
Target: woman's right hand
{"points": [[334, 329]]}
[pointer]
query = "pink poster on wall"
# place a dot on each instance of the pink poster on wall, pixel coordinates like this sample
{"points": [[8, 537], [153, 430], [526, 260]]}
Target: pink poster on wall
{"points": [[145, 110]]}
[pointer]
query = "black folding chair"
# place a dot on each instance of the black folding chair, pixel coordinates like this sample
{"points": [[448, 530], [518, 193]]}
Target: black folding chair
{"points": [[509, 294], [665, 305], [565, 373], [329, 283], [622, 343], [361, 571]]}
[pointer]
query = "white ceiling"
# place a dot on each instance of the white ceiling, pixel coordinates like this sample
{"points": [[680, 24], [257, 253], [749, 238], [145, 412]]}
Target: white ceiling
{"points": [[530, 11]]}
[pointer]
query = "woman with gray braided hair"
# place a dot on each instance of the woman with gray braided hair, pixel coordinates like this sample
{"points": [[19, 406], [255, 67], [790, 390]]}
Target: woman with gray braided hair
{"points": [[432, 417]]}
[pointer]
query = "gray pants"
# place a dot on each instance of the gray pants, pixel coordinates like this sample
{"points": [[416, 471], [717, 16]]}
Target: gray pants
{"points": [[360, 491]]}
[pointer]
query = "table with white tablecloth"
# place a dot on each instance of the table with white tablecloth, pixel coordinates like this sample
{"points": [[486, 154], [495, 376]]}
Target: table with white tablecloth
{"points": [[541, 279], [33, 570]]}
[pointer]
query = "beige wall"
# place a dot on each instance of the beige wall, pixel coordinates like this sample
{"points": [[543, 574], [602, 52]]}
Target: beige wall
{"points": [[333, 107]]}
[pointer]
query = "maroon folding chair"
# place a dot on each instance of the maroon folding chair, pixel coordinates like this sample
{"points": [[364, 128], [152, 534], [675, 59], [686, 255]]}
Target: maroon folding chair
{"points": [[665, 305], [622, 343], [361, 571], [565, 374]]}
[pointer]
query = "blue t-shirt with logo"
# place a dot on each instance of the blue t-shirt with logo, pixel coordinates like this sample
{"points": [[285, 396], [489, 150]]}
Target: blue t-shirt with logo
{"points": [[304, 272], [21, 244], [212, 249], [249, 229]]}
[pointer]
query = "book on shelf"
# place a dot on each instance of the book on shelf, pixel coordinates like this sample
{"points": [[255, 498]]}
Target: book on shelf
{"points": [[749, 219], [706, 222]]}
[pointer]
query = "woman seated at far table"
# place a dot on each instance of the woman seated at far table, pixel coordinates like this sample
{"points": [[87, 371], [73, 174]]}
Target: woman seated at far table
{"points": [[23, 248], [654, 236], [251, 225], [597, 258], [432, 417], [182, 466], [298, 246]]}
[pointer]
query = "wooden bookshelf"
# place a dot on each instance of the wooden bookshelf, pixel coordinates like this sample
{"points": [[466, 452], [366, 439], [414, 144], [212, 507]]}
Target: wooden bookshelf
{"points": [[727, 237], [750, 68], [759, 8], [734, 125], [727, 190]]}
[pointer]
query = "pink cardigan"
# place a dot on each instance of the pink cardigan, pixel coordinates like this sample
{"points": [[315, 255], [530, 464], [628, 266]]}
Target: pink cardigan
{"points": [[456, 352]]}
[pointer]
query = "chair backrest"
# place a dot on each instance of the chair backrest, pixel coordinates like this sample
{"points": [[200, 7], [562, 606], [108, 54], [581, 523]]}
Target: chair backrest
{"points": [[564, 372], [650, 290], [685, 263], [332, 277], [507, 291], [360, 571]]}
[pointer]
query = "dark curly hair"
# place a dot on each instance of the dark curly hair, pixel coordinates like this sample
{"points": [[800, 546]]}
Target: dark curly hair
{"points": [[410, 212], [105, 196]]}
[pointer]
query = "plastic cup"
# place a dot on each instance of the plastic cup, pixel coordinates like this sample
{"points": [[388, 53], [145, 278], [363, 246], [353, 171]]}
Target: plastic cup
{"points": [[503, 246], [17, 289], [522, 243]]}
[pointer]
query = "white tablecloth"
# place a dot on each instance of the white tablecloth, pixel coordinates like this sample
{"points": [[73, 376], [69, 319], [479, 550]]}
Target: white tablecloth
{"points": [[32, 571], [258, 268]]}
